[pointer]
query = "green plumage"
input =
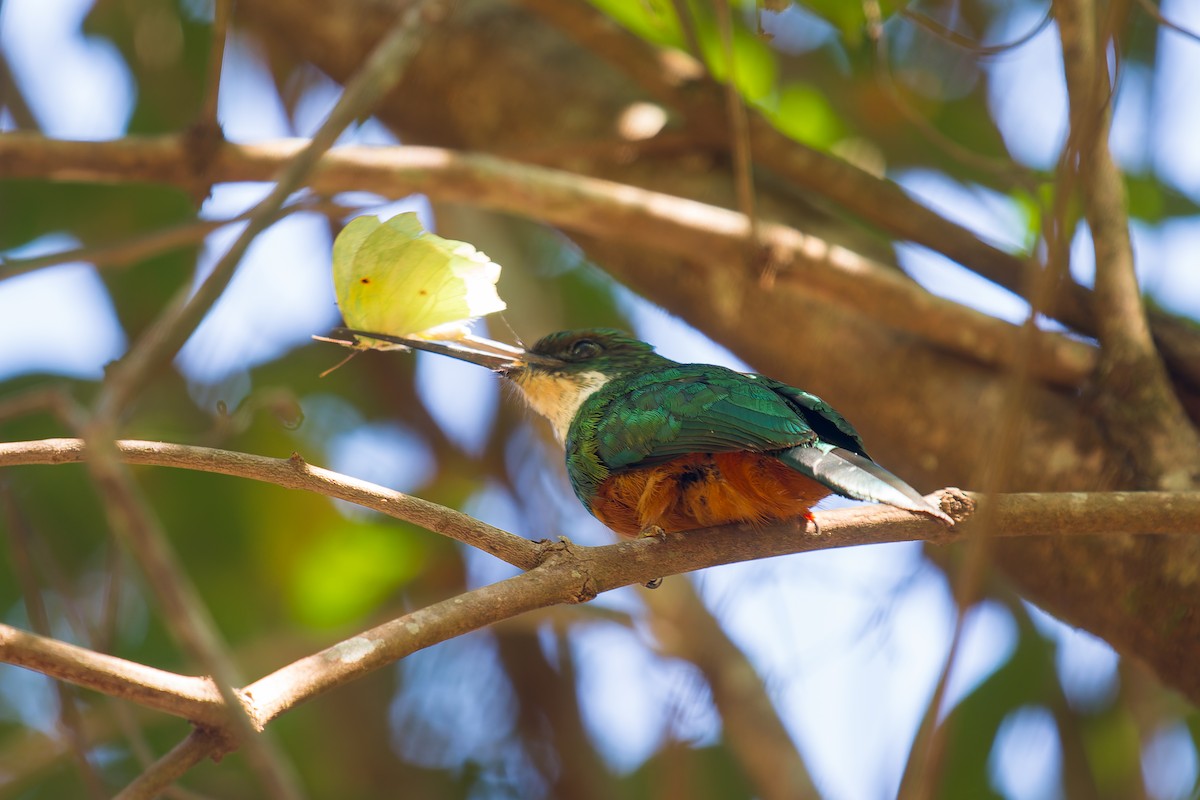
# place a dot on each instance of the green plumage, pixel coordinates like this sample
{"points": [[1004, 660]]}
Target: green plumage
{"points": [[665, 409]]}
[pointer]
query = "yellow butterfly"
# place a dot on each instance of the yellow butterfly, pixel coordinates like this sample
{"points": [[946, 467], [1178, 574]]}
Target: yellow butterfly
{"points": [[395, 277]]}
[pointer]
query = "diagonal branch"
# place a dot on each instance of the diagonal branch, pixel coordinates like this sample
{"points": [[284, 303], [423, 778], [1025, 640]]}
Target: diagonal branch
{"points": [[292, 473], [383, 68], [195, 699]]}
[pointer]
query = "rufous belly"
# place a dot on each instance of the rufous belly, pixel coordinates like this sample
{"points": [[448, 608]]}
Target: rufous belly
{"points": [[703, 489]]}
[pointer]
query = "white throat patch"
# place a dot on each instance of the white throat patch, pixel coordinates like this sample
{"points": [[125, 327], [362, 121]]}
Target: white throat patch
{"points": [[558, 398]]}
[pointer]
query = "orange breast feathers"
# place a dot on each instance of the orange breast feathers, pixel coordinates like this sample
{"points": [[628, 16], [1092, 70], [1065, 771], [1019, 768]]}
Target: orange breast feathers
{"points": [[703, 489]]}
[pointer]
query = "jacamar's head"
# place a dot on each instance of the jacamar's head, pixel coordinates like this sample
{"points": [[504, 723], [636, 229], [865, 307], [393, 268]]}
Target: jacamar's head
{"points": [[559, 372]]}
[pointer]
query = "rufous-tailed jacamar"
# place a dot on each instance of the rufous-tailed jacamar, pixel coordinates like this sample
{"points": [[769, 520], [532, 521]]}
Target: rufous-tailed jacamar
{"points": [[653, 444]]}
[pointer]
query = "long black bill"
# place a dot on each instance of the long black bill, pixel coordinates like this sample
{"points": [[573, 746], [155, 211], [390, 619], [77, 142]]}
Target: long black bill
{"points": [[493, 355]]}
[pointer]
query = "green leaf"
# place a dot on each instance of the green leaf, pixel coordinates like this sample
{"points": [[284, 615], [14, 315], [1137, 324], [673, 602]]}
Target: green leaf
{"points": [[804, 114], [346, 573]]}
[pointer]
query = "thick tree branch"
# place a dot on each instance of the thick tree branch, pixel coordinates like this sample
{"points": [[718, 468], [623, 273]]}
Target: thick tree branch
{"points": [[1144, 415], [878, 201], [645, 220], [875, 200]]}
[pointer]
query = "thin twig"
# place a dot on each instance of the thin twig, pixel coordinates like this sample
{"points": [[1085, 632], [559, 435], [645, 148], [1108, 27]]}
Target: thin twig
{"points": [[965, 42], [130, 250], [293, 473], [13, 99], [1158, 17], [739, 129], [993, 475], [200, 744], [222, 13], [683, 15], [118, 254], [1006, 171]]}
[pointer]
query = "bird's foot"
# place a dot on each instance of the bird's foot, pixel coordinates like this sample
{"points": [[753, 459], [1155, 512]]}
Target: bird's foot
{"points": [[653, 532]]}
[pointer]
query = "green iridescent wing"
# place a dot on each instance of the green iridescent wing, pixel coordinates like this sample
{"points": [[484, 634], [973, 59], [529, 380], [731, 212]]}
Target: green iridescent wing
{"points": [[695, 409]]}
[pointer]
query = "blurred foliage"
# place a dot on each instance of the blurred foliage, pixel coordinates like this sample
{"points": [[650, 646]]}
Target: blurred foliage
{"points": [[285, 573]]}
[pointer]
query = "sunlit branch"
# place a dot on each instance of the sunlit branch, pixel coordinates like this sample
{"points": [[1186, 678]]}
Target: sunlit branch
{"points": [[195, 699], [568, 573], [877, 201], [293, 473], [648, 220], [972, 45]]}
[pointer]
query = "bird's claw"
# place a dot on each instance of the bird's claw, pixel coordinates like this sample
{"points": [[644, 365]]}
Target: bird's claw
{"points": [[652, 532]]}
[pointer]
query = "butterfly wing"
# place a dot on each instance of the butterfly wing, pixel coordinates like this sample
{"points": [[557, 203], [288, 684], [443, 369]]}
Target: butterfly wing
{"points": [[394, 277]]}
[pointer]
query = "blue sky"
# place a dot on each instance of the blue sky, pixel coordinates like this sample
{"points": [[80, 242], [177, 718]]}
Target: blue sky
{"points": [[845, 681]]}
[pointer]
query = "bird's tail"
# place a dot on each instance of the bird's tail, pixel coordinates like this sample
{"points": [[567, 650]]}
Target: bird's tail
{"points": [[857, 477]]}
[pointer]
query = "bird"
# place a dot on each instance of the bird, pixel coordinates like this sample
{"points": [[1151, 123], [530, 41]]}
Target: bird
{"points": [[656, 446]]}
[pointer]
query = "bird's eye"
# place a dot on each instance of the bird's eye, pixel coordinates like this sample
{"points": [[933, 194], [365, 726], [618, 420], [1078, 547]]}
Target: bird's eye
{"points": [[585, 348]]}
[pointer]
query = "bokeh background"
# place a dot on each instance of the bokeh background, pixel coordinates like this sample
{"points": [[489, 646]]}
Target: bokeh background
{"points": [[848, 644]]}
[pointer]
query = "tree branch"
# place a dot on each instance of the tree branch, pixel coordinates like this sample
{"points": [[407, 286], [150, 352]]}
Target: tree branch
{"points": [[571, 573], [292, 473], [200, 744], [646, 220], [1144, 415], [567, 573], [196, 699]]}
